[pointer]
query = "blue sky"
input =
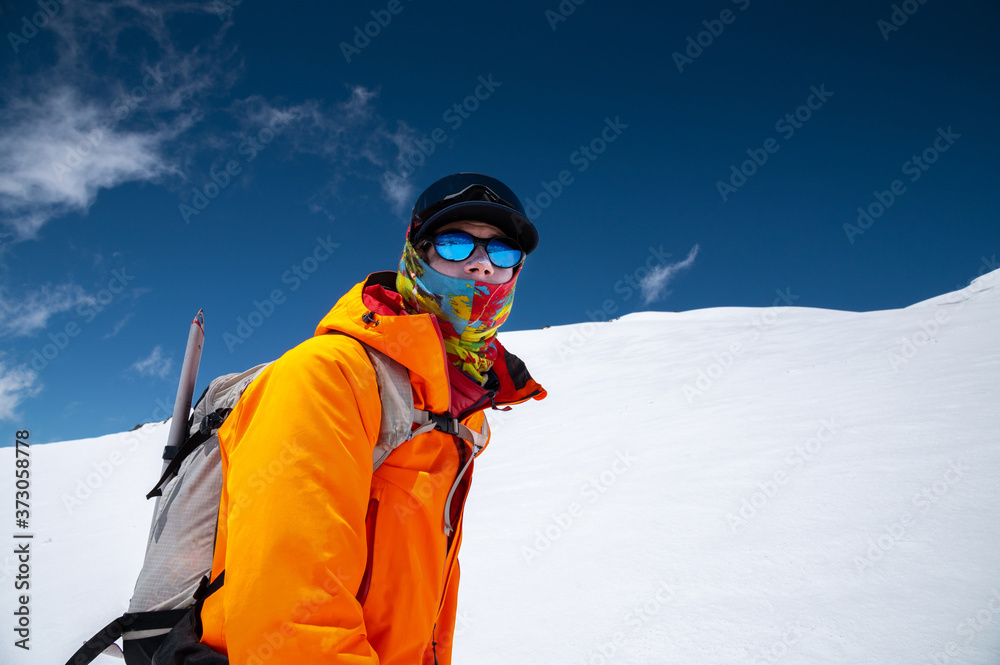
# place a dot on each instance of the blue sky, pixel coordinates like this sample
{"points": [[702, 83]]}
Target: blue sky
{"points": [[157, 158]]}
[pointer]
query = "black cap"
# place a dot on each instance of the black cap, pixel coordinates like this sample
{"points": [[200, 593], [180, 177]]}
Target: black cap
{"points": [[475, 197]]}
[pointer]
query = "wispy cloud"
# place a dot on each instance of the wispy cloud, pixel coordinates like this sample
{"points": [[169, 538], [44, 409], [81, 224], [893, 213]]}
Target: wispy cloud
{"points": [[396, 186], [27, 313], [121, 100], [341, 133], [55, 158], [349, 135], [16, 385], [398, 191], [154, 364], [119, 325], [101, 113], [654, 285]]}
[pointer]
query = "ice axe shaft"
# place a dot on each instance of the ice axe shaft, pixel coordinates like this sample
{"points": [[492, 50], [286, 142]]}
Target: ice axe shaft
{"points": [[182, 404], [185, 387]]}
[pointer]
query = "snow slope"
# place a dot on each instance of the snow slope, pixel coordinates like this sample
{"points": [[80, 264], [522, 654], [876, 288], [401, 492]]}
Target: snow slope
{"points": [[782, 485]]}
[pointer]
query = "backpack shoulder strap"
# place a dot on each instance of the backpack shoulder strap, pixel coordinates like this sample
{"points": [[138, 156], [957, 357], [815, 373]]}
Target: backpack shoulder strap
{"points": [[396, 395], [400, 420], [209, 412]]}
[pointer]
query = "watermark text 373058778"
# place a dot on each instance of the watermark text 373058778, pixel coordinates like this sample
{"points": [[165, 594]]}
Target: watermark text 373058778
{"points": [[22, 542]]}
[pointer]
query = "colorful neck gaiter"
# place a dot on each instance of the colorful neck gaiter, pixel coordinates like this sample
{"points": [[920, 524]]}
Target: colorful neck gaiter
{"points": [[468, 312]]}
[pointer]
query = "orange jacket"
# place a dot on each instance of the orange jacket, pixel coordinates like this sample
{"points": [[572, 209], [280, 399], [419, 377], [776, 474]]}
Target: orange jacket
{"points": [[326, 562]]}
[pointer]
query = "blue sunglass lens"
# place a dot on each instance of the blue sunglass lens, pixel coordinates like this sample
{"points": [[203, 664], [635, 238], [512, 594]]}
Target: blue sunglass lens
{"points": [[502, 254], [459, 246], [454, 246]]}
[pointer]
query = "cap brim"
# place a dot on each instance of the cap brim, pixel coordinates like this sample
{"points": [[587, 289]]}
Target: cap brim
{"points": [[508, 220]]}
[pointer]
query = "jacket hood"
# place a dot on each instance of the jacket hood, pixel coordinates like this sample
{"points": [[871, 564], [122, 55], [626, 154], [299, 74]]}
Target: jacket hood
{"points": [[371, 313]]}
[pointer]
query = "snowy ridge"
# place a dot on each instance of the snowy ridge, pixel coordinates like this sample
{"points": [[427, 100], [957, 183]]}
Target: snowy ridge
{"points": [[734, 485]]}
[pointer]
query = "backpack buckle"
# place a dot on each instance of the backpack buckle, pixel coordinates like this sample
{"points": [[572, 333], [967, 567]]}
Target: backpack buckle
{"points": [[444, 422], [213, 421]]}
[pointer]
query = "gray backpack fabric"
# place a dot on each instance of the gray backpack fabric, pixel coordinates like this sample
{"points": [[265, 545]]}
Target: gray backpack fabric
{"points": [[181, 544], [182, 539]]}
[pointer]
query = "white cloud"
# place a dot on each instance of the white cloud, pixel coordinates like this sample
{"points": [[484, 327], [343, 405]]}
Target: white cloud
{"points": [[344, 134], [55, 158], [99, 115], [154, 364], [16, 385], [654, 285], [341, 132], [398, 191], [358, 107], [29, 313], [72, 129], [396, 186], [119, 325]]}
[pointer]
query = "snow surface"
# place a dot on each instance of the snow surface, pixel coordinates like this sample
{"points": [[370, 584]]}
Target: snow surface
{"points": [[782, 485]]}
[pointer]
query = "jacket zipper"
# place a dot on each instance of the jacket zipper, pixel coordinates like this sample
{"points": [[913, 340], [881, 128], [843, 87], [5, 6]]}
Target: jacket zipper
{"points": [[366, 580], [487, 398], [491, 398]]}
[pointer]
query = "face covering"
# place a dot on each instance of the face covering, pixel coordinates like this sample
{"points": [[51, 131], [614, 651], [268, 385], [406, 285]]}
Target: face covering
{"points": [[468, 312]]}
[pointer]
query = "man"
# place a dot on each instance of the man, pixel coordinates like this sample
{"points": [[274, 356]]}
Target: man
{"points": [[326, 561]]}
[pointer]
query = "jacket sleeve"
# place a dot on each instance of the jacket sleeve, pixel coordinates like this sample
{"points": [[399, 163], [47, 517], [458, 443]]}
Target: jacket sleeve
{"points": [[299, 448]]}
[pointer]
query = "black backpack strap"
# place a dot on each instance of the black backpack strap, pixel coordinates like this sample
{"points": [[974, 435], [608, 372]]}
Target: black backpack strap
{"points": [[209, 424], [141, 621], [93, 647], [206, 590], [126, 623], [183, 643]]}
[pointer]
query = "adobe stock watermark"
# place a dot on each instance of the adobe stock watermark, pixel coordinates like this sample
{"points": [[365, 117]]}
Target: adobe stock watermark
{"points": [[426, 487], [60, 340], [119, 110], [311, 604], [786, 126], [98, 473], [316, 603], [714, 28], [779, 647], [37, 21], [752, 504], [454, 116], [298, 273], [967, 630], [463, 624], [626, 287], [724, 361], [914, 167], [381, 18], [635, 619], [968, 292], [282, 459], [908, 347], [581, 158], [927, 498], [251, 146], [562, 12], [973, 625], [591, 491], [900, 14]]}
